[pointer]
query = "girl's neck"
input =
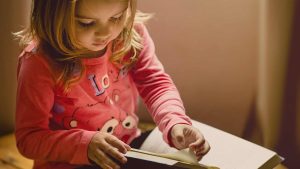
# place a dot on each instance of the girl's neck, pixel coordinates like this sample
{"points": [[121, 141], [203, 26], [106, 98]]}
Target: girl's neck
{"points": [[96, 54]]}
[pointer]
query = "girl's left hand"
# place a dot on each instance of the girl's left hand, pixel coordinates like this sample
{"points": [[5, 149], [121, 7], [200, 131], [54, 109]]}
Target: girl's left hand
{"points": [[186, 136]]}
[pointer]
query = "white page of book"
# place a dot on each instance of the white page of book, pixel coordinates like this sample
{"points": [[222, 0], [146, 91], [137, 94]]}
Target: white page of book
{"points": [[227, 151]]}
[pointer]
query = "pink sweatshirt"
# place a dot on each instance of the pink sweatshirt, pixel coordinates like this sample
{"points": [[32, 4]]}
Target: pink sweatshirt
{"points": [[55, 129]]}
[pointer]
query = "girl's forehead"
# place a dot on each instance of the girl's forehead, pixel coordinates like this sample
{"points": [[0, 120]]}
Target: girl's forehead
{"points": [[94, 8]]}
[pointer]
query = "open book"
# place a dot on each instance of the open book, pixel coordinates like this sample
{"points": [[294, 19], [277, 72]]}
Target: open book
{"points": [[177, 160], [227, 152]]}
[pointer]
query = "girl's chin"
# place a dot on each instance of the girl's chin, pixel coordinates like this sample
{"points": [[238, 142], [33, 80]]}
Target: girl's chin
{"points": [[98, 48], [96, 52]]}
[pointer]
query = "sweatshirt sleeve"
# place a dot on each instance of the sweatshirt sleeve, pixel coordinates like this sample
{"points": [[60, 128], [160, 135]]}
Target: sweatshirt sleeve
{"points": [[157, 89], [35, 97]]}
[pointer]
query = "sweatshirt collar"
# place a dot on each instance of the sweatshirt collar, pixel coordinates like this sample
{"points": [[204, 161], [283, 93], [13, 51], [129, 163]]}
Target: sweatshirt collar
{"points": [[99, 59]]}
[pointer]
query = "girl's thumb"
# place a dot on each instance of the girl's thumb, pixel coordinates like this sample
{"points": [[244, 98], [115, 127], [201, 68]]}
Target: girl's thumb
{"points": [[179, 136]]}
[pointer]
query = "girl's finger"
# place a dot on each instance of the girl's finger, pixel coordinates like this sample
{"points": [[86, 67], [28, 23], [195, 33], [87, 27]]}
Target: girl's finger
{"points": [[127, 147], [199, 157], [197, 145], [206, 148], [97, 161], [104, 161], [178, 139], [121, 146], [113, 152]]}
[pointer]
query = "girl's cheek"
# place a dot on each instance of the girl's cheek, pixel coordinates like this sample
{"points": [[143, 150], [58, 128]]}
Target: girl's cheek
{"points": [[119, 29], [83, 35]]}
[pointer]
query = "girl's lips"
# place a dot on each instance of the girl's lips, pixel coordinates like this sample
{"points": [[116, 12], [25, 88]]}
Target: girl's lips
{"points": [[100, 43]]}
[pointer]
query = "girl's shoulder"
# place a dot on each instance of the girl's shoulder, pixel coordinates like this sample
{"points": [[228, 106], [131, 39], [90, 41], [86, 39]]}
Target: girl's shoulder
{"points": [[32, 53], [143, 32], [140, 28], [31, 59]]}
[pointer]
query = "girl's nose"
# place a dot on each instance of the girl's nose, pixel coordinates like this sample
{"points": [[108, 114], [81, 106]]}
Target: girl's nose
{"points": [[103, 31]]}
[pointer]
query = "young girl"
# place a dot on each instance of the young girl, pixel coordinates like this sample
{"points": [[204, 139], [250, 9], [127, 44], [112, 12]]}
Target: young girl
{"points": [[79, 77]]}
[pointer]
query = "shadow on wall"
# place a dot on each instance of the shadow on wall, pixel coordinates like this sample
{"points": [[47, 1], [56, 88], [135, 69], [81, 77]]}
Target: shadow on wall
{"points": [[289, 143]]}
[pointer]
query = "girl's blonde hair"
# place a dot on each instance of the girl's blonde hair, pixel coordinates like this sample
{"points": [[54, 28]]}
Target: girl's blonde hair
{"points": [[52, 24]]}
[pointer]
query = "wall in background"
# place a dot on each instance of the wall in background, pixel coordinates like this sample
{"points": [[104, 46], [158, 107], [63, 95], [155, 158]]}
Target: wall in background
{"points": [[210, 48], [12, 16]]}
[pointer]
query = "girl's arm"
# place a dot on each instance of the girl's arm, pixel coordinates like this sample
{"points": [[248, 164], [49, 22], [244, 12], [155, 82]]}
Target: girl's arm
{"points": [[157, 89], [163, 101], [35, 99]]}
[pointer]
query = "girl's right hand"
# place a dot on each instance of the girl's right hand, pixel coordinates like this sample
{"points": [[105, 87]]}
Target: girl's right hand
{"points": [[104, 145]]}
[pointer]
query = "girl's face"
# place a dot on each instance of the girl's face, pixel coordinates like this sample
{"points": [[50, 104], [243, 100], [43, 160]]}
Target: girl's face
{"points": [[98, 22]]}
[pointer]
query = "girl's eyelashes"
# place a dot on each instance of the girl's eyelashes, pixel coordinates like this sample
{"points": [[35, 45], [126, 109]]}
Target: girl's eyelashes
{"points": [[86, 24], [117, 19]]}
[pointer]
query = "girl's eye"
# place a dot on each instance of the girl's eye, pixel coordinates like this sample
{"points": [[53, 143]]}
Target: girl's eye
{"points": [[86, 25], [116, 19]]}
